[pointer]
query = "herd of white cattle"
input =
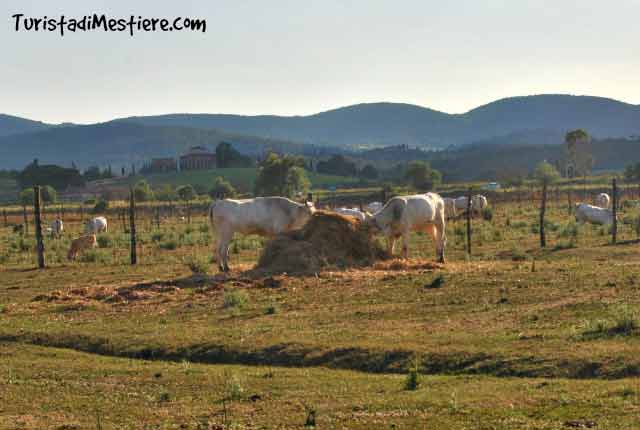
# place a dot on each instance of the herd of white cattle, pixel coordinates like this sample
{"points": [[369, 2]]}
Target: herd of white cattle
{"points": [[395, 219]]}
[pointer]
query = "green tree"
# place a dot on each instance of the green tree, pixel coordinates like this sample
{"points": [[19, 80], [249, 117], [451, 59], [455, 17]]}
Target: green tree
{"points": [[186, 193], [26, 197], [579, 152], [166, 193], [47, 193], [222, 189], [227, 156], [297, 182], [632, 172], [545, 172], [58, 177], [143, 191], [421, 176], [369, 172], [337, 165], [276, 178]]}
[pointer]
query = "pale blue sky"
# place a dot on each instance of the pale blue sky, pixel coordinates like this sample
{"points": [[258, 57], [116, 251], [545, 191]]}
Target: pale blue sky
{"points": [[298, 57]]}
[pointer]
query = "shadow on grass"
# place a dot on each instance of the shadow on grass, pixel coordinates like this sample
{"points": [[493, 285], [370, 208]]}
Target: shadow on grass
{"points": [[358, 359]]}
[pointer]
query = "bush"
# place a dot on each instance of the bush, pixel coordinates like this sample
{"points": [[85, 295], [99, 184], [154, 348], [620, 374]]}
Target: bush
{"points": [[157, 236], [625, 323], [232, 388], [518, 254], [100, 207], [413, 377], [197, 265], [235, 299], [170, 244], [104, 241], [570, 230], [519, 224], [95, 256], [271, 309], [564, 245]]}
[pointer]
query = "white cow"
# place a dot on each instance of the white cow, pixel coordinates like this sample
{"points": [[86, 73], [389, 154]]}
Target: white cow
{"points": [[404, 214], [96, 225], [374, 207], [266, 216], [449, 207], [593, 214], [478, 203], [603, 200], [356, 213], [57, 227]]}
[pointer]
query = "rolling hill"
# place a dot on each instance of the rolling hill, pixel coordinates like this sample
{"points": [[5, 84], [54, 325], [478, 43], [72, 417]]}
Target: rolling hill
{"points": [[540, 119], [531, 119], [122, 144], [14, 125]]}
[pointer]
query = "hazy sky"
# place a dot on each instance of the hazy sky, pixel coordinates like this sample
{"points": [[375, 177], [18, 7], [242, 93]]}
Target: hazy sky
{"points": [[300, 57]]}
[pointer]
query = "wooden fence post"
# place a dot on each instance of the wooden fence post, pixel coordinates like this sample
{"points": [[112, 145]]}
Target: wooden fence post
{"points": [[469, 222], [132, 227], [38, 226], [569, 205], [26, 220], [614, 195], [6, 221], [543, 208]]}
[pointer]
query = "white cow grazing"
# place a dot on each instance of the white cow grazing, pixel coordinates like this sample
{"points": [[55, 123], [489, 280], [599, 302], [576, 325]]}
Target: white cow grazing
{"points": [[374, 207], [404, 214], [449, 207], [96, 225], [356, 213], [478, 203], [57, 227], [593, 214], [603, 200], [266, 216]]}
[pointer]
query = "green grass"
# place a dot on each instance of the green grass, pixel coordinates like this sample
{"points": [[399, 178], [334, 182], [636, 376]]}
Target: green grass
{"points": [[500, 344]]}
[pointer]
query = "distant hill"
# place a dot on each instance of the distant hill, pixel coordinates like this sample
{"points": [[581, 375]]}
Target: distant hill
{"points": [[14, 125], [532, 119], [121, 144]]}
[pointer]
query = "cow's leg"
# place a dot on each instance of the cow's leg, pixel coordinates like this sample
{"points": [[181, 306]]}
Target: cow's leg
{"points": [[391, 244], [406, 235], [223, 250], [440, 237]]}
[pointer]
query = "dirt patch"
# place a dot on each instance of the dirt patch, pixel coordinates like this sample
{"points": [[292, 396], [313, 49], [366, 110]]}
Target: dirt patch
{"points": [[328, 240], [408, 265]]}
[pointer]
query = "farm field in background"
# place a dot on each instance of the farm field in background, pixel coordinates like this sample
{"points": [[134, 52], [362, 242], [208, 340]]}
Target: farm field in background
{"points": [[512, 337]]}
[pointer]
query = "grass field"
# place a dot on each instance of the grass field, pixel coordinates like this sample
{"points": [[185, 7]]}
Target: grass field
{"points": [[513, 337]]}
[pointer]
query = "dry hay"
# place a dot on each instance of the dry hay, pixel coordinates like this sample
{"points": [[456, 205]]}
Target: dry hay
{"points": [[327, 240]]}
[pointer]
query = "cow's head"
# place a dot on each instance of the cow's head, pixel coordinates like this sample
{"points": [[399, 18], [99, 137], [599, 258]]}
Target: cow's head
{"points": [[310, 207]]}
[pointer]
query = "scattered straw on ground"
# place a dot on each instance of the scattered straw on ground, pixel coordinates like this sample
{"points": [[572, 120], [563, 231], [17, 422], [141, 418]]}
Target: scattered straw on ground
{"points": [[327, 240]]}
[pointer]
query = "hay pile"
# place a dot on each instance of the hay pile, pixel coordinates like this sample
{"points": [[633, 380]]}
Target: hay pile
{"points": [[328, 240]]}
